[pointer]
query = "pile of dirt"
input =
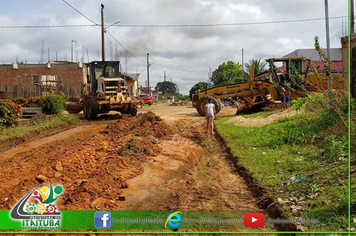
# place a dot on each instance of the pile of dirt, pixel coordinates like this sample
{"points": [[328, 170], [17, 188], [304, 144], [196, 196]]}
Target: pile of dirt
{"points": [[137, 148], [145, 124], [261, 121], [121, 127]]}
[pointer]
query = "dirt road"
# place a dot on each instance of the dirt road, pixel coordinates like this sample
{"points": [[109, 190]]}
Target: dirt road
{"points": [[135, 163]]}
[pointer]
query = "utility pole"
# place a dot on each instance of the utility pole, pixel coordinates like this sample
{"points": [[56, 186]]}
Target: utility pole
{"points": [[352, 17], [56, 56], [102, 34], [243, 65], [327, 36], [148, 71], [164, 76], [49, 56]]}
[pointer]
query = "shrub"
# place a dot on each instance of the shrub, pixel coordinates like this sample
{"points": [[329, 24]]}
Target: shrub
{"points": [[334, 147], [53, 103], [10, 113]]}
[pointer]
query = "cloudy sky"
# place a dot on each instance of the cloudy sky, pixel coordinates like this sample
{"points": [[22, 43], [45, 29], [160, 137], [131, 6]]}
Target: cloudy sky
{"points": [[185, 53]]}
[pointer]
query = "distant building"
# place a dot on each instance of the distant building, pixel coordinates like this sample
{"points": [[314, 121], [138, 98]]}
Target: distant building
{"points": [[335, 54], [30, 80]]}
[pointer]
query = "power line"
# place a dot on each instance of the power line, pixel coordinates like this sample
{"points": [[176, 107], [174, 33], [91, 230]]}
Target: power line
{"points": [[41, 26], [224, 24], [124, 47], [155, 71], [171, 26], [79, 12]]}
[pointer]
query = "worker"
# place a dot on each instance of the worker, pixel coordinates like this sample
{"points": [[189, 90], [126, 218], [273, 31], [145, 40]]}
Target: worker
{"points": [[283, 92], [288, 93], [210, 114]]}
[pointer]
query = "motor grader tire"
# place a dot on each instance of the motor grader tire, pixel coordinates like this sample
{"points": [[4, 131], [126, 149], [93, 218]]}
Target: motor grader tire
{"points": [[133, 109], [93, 108], [205, 100]]}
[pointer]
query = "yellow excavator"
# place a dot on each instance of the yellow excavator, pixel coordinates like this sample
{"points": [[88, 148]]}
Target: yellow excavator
{"points": [[264, 88]]}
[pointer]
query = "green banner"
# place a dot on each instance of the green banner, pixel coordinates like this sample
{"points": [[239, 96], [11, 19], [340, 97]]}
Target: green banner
{"points": [[76, 220]]}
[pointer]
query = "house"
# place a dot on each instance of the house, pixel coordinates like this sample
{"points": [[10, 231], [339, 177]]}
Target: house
{"points": [[30, 80]]}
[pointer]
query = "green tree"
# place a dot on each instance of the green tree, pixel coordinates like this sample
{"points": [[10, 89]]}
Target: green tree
{"points": [[166, 86], [259, 66], [227, 73], [198, 86]]}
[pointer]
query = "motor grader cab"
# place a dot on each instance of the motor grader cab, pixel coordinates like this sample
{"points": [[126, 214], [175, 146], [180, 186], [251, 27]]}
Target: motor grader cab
{"points": [[304, 79], [106, 89]]}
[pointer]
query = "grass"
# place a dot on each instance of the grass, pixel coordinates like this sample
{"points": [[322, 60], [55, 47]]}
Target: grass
{"points": [[21, 131], [294, 147]]}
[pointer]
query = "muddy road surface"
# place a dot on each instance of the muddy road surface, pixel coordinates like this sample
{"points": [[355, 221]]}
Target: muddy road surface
{"points": [[160, 160]]}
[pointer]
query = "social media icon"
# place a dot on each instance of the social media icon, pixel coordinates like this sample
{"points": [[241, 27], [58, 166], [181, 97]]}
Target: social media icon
{"points": [[102, 219], [174, 220], [254, 220]]}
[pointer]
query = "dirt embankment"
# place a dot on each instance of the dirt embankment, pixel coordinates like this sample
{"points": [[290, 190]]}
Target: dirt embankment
{"points": [[93, 166], [261, 121]]}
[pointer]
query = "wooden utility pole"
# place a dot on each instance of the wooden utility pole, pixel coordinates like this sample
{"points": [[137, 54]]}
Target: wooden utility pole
{"points": [[352, 15], [102, 34], [148, 71]]}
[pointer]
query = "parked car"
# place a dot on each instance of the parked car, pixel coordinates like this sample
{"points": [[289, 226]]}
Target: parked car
{"points": [[146, 98]]}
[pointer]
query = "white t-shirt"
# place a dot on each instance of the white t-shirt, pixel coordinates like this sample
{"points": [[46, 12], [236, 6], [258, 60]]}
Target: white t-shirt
{"points": [[209, 109]]}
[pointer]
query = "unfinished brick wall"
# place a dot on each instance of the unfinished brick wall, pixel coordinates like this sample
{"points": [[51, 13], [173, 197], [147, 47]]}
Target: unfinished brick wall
{"points": [[16, 81]]}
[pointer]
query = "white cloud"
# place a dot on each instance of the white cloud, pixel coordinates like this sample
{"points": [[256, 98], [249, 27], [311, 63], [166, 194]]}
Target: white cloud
{"points": [[185, 53]]}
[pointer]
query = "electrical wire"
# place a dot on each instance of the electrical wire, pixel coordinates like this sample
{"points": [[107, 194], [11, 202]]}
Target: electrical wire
{"points": [[169, 26], [42, 26], [225, 24], [123, 46], [79, 12]]}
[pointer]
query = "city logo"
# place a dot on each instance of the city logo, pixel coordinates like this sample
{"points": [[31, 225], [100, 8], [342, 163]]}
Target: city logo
{"points": [[102, 219], [174, 220], [37, 209]]}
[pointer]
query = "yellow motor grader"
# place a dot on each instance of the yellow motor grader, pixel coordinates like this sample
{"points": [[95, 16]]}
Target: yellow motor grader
{"points": [[105, 89], [264, 88]]}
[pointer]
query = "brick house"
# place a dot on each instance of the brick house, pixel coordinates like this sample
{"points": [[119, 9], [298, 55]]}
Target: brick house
{"points": [[29, 80]]}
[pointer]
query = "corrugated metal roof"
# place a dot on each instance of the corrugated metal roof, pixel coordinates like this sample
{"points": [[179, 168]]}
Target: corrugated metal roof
{"points": [[335, 54]]}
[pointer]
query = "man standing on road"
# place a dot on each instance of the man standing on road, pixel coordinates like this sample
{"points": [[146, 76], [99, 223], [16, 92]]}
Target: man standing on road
{"points": [[210, 114]]}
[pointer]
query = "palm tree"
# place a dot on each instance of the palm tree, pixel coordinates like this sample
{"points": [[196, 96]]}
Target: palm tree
{"points": [[259, 66]]}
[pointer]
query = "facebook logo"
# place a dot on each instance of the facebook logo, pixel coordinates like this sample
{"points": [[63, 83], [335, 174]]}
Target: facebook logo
{"points": [[102, 219]]}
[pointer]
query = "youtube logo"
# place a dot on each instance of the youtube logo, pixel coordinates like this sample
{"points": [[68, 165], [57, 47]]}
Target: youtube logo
{"points": [[254, 220]]}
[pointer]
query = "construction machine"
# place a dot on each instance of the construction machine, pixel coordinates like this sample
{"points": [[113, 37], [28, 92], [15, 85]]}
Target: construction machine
{"points": [[249, 94], [106, 89], [264, 88]]}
